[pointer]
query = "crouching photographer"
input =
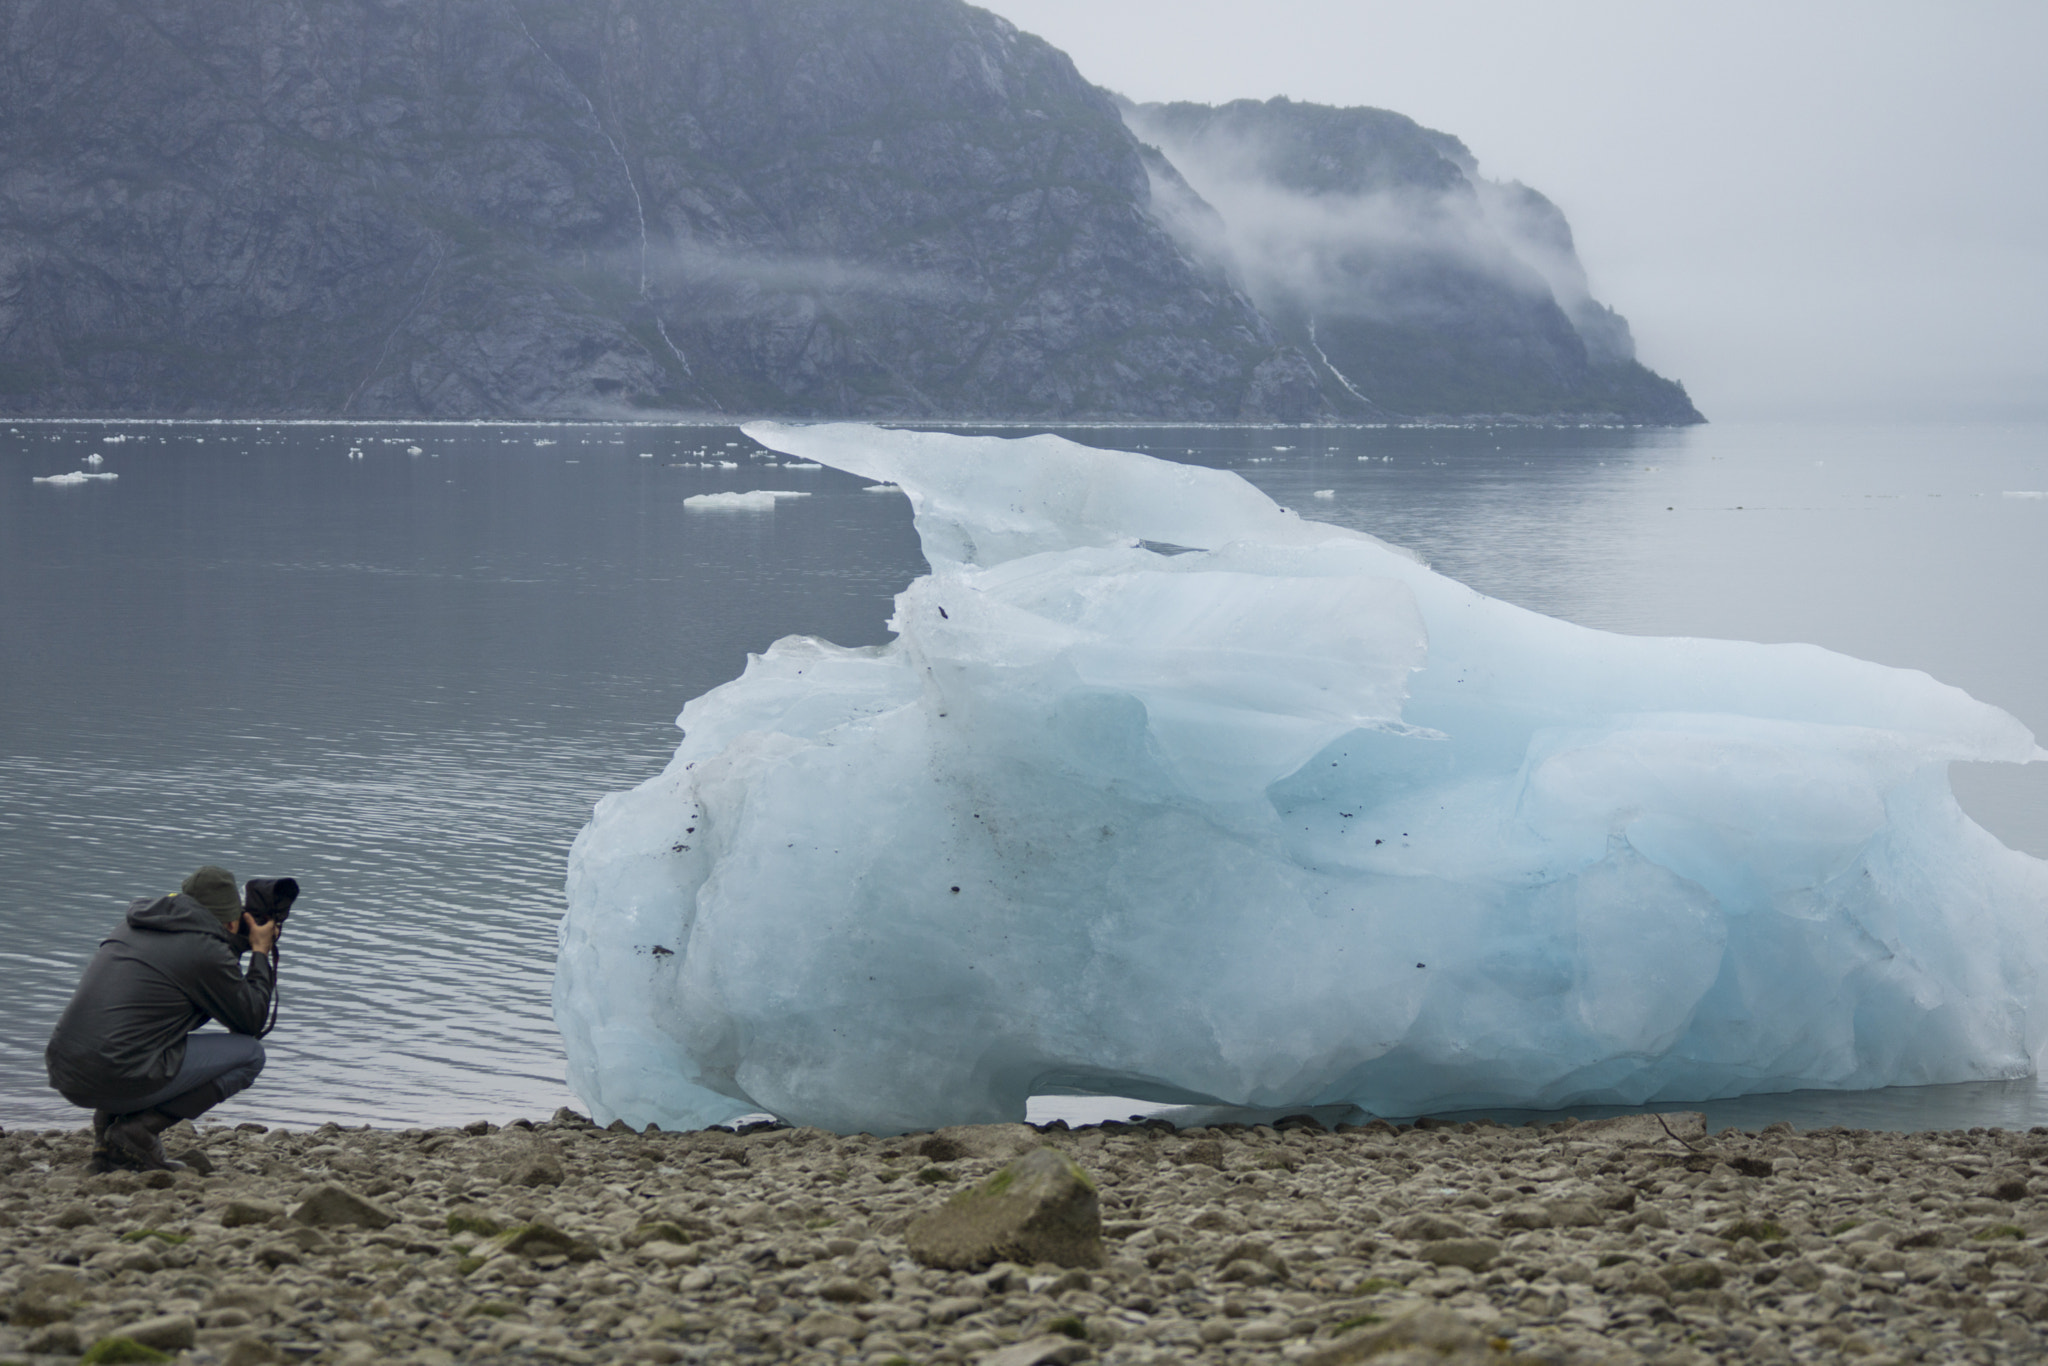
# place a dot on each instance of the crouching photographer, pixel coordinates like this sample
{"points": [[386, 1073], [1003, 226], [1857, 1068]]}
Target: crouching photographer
{"points": [[125, 1047]]}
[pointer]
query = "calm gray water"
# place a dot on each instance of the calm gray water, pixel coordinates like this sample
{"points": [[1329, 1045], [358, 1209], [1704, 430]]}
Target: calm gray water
{"points": [[404, 678]]}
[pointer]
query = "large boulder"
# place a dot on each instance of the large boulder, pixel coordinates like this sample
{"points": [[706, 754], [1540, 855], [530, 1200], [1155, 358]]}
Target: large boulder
{"points": [[1040, 1208], [335, 1206]]}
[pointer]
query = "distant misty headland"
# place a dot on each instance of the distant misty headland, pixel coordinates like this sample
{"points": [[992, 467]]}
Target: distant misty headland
{"points": [[878, 209]]}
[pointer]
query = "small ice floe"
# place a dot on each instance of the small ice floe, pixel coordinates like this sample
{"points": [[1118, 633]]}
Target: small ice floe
{"points": [[728, 464], [116, 439], [2025, 493], [544, 441], [647, 455], [414, 450], [1326, 493], [801, 465], [75, 477], [1283, 448], [754, 500], [882, 488], [95, 459], [355, 453]]}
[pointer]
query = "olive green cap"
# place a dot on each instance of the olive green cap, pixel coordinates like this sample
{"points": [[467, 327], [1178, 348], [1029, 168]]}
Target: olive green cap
{"points": [[215, 888]]}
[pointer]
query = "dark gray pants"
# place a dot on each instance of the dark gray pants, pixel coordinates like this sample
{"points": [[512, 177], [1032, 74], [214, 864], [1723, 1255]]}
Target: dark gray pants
{"points": [[216, 1066]]}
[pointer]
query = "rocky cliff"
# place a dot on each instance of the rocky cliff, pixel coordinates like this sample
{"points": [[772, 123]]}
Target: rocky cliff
{"points": [[470, 207], [457, 208], [1415, 284]]}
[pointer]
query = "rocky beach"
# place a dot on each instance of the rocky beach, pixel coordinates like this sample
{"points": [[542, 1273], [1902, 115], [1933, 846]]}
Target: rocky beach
{"points": [[1638, 1239]]}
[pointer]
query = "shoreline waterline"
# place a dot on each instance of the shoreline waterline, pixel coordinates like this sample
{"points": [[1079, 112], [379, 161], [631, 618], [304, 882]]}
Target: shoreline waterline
{"points": [[1950, 1107]]}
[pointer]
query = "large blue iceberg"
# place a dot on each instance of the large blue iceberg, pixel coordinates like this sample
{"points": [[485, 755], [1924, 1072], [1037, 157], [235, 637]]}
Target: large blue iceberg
{"points": [[1162, 791]]}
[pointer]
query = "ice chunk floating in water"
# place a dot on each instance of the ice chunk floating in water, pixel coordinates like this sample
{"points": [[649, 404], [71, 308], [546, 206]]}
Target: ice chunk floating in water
{"points": [[753, 500], [1164, 792], [75, 477]]}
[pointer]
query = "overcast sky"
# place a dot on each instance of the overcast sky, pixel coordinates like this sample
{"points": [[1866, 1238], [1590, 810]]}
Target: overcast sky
{"points": [[1804, 208]]}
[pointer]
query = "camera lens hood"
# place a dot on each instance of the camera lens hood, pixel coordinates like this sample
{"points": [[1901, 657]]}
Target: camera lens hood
{"points": [[269, 898]]}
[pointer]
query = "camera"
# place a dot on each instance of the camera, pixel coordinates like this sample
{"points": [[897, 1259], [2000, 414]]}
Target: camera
{"points": [[269, 898]]}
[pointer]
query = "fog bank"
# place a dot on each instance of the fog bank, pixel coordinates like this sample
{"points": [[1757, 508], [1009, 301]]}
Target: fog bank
{"points": [[1823, 210]]}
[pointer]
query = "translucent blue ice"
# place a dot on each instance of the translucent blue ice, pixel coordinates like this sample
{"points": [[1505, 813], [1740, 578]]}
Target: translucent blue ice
{"points": [[1163, 791]]}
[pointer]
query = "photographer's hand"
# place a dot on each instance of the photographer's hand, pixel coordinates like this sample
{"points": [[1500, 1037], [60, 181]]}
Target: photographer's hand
{"points": [[262, 937]]}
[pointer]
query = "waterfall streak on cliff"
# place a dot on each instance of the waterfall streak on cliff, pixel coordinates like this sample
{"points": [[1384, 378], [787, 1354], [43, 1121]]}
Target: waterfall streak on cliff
{"points": [[1341, 378], [625, 168]]}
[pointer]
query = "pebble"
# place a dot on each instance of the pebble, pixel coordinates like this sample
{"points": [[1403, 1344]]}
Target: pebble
{"points": [[1618, 1241]]}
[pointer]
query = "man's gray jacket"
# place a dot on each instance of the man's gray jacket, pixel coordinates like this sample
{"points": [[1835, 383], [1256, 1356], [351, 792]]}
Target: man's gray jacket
{"points": [[167, 970]]}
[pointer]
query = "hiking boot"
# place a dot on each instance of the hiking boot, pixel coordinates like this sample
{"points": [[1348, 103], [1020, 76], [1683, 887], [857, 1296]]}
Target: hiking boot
{"points": [[133, 1138], [104, 1159]]}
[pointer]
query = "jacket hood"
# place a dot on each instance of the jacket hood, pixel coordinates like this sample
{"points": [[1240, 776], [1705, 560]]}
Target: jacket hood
{"points": [[176, 913]]}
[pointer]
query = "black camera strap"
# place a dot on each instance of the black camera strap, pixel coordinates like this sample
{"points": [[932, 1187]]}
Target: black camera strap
{"points": [[275, 958]]}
